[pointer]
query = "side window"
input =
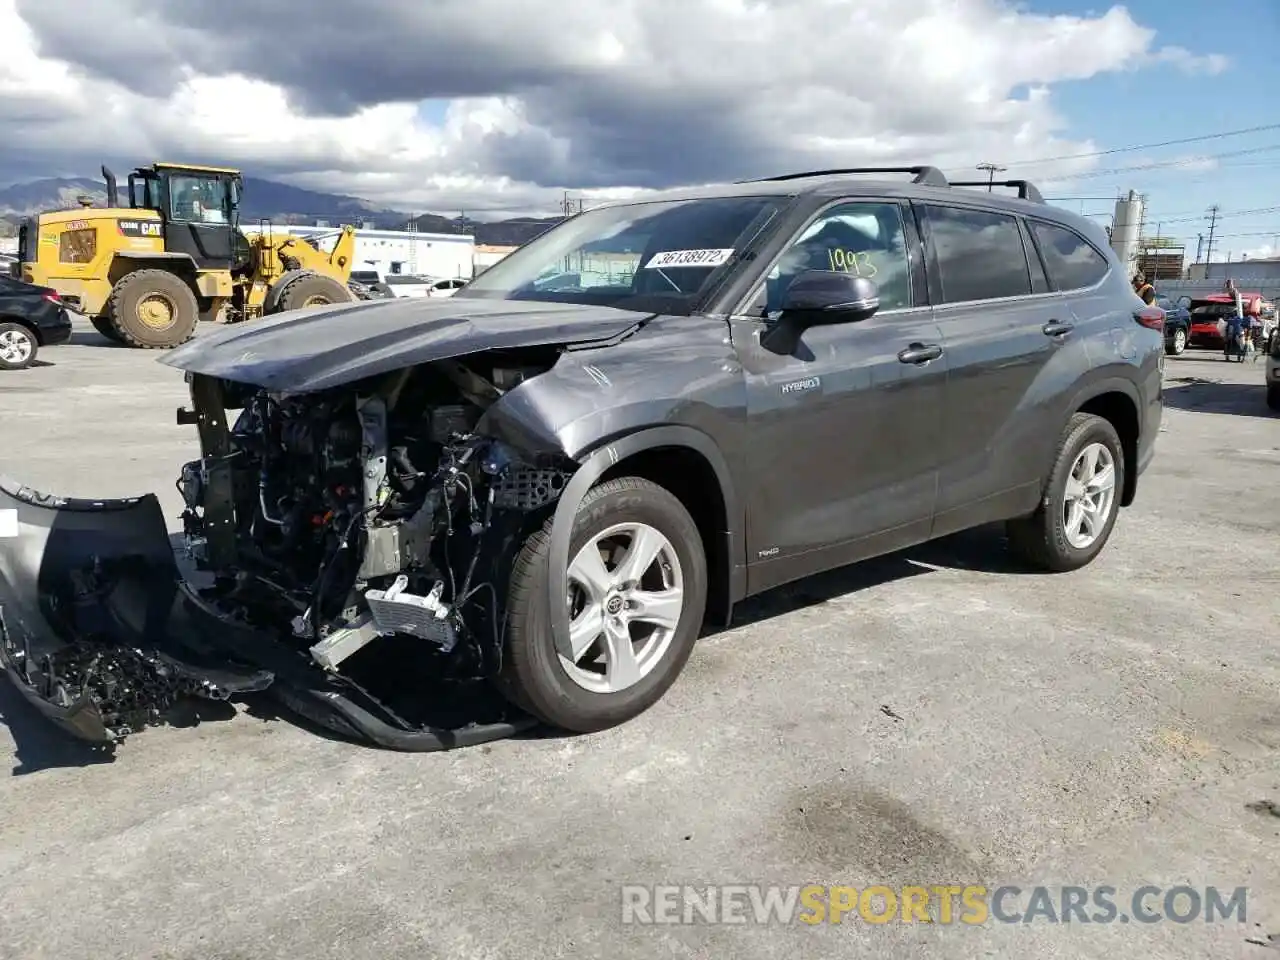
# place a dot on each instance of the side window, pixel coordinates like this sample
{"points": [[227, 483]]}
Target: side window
{"points": [[78, 246], [1039, 282], [863, 238], [1072, 262], [980, 254]]}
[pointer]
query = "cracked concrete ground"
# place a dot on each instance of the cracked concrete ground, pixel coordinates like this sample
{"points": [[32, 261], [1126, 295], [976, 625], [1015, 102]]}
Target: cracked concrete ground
{"points": [[932, 717]]}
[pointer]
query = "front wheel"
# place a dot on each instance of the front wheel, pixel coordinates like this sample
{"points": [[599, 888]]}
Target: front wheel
{"points": [[314, 290], [1080, 502], [636, 598]]}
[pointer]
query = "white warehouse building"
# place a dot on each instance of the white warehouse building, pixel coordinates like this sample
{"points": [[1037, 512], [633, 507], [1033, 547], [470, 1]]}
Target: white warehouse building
{"points": [[391, 252]]}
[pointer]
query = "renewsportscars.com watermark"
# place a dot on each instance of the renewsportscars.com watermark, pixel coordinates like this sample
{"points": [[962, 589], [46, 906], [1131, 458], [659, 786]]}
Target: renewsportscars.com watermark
{"points": [[970, 904]]}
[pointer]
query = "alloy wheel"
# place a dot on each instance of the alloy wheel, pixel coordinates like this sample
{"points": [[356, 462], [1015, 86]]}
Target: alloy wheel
{"points": [[626, 594], [1090, 495], [15, 348]]}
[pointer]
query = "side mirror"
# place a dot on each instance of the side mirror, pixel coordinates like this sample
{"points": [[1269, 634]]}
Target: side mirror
{"points": [[829, 296]]}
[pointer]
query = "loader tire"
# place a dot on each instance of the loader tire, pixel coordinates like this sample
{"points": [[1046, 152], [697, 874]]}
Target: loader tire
{"points": [[153, 310], [314, 290], [104, 327]]}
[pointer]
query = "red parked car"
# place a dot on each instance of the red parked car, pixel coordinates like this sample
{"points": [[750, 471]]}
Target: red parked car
{"points": [[1209, 316]]}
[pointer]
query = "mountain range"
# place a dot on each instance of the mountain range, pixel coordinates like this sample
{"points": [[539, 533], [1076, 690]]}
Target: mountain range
{"points": [[276, 202]]}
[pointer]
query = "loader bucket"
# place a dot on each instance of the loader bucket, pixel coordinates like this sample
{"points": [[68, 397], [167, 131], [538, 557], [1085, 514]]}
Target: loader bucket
{"points": [[91, 615]]}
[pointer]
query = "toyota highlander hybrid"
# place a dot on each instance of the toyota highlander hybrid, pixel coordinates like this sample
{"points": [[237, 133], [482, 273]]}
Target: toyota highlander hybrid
{"points": [[547, 483]]}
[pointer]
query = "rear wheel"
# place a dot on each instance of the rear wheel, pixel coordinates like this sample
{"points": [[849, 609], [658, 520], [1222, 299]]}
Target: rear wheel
{"points": [[1177, 343], [153, 309], [18, 346], [104, 327], [636, 597], [1080, 502], [314, 290]]}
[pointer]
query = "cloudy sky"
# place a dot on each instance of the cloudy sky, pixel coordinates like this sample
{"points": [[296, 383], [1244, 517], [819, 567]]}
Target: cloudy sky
{"points": [[502, 105]]}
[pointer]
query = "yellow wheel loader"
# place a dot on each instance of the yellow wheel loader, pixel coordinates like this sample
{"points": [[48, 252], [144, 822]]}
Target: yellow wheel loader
{"points": [[147, 271]]}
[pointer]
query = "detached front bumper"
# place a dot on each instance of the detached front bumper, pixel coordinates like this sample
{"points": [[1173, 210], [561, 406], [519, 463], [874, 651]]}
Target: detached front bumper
{"points": [[100, 632]]}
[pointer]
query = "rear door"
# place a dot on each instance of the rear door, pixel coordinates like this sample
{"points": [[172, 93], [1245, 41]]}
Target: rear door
{"points": [[1001, 327]]}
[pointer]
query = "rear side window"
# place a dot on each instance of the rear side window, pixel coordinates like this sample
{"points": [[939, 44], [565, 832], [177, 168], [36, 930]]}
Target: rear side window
{"points": [[980, 254], [1073, 264]]}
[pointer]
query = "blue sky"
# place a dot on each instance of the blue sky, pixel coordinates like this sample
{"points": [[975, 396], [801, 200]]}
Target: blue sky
{"points": [[1162, 103]]}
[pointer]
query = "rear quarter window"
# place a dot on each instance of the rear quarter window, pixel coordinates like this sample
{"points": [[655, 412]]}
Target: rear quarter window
{"points": [[1072, 262]]}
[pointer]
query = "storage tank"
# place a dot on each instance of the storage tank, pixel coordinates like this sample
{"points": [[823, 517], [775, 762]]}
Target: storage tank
{"points": [[1126, 230]]}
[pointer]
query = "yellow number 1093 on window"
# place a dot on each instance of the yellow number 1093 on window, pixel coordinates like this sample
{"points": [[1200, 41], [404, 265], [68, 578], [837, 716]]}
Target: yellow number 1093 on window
{"points": [[848, 261]]}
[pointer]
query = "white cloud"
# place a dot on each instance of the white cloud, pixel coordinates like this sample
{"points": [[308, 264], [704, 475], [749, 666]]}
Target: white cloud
{"points": [[1266, 251], [545, 96]]}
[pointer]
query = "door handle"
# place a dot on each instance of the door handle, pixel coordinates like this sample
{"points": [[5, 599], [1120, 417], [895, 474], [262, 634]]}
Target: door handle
{"points": [[1056, 328], [920, 353]]}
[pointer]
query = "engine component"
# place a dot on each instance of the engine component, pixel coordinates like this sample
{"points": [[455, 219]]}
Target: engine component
{"points": [[344, 642], [395, 610], [373, 448], [449, 421], [191, 484], [528, 488]]}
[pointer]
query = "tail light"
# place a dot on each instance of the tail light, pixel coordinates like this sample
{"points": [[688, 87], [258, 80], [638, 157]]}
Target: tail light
{"points": [[53, 298], [1150, 317]]}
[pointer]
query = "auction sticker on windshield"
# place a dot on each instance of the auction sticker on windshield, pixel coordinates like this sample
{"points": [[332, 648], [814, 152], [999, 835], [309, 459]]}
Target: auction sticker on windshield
{"points": [[688, 258]]}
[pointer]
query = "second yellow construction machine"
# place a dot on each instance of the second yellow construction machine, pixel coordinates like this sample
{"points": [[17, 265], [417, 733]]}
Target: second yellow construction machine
{"points": [[147, 271]]}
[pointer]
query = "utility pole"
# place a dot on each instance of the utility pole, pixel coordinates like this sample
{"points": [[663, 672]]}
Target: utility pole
{"points": [[1213, 224], [1155, 260], [1199, 246], [992, 169]]}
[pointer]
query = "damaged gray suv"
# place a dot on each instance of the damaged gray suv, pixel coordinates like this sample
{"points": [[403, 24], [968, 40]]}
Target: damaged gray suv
{"points": [[427, 523]]}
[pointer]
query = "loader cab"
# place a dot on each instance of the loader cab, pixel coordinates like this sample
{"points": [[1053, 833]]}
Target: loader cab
{"points": [[199, 207]]}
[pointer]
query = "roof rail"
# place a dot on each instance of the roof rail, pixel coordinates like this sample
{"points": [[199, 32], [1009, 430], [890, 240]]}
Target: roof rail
{"points": [[1026, 190], [927, 176]]}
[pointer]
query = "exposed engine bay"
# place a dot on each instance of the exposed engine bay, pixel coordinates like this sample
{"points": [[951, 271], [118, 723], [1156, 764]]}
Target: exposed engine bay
{"points": [[371, 511], [368, 530]]}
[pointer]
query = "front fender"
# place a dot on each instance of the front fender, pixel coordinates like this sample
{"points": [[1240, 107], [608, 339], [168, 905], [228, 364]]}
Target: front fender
{"points": [[593, 465]]}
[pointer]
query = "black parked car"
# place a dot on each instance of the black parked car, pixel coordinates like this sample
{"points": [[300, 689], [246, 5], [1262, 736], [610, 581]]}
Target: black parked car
{"points": [[31, 317], [544, 485], [1177, 323]]}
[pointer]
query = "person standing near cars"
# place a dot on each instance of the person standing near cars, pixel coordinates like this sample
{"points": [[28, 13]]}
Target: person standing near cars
{"points": [[1143, 289]]}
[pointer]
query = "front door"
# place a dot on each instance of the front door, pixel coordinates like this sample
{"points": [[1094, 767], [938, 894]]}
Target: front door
{"points": [[844, 428], [199, 219]]}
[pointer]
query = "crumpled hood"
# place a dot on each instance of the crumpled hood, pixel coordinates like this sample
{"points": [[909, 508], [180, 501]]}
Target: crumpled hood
{"points": [[321, 347]]}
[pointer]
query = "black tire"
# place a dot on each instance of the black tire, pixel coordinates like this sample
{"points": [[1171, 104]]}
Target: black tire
{"points": [[104, 327], [135, 291], [1273, 396], [532, 675], [1040, 539], [1177, 343], [20, 346], [314, 290]]}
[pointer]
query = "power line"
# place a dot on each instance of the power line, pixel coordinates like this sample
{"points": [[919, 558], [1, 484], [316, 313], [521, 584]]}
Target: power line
{"points": [[1151, 146], [1158, 165]]}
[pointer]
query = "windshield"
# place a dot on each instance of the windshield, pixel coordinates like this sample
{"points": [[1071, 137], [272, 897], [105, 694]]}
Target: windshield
{"points": [[661, 256], [1214, 309]]}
